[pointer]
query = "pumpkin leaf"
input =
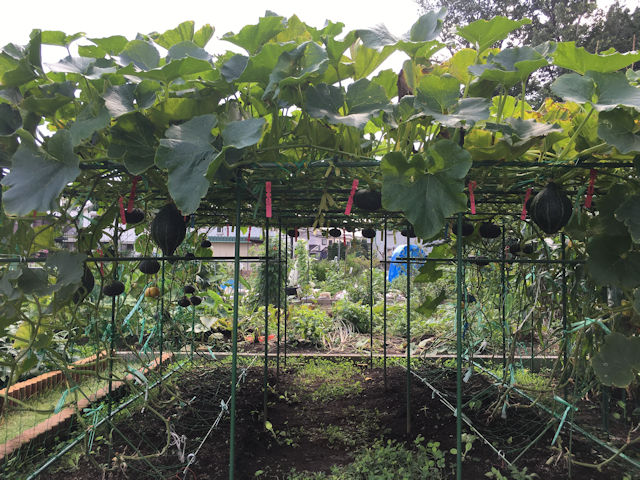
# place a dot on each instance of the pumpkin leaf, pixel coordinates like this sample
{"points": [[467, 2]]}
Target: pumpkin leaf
{"points": [[629, 213], [37, 178], [186, 152], [484, 33], [426, 198], [617, 128], [567, 55], [618, 360]]}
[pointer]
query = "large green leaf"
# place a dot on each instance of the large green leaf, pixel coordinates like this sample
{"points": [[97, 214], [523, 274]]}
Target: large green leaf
{"points": [[133, 140], [438, 93], [430, 305], [618, 360], [175, 69], [517, 132], [363, 99], [103, 46], [68, 267], [19, 65], [182, 33], [567, 55], [47, 99], [142, 54], [260, 65], [37, 178], [253, 37], [617, 128], [186, 152], [629, 213], [243, 133], [611, 263], [484, 33], [56, 37], [297, 65], [90, 119], [426, 198], [605, 91], [10, 120], [510, 66]]}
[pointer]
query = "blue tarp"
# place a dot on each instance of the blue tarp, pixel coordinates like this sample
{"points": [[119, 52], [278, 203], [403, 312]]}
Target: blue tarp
{"points": [[400, 253]]}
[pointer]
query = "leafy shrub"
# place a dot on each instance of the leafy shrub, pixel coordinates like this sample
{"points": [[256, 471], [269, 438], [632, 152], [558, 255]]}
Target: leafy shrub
{"points": [[353, 313], [390, 461], [310, 324]]}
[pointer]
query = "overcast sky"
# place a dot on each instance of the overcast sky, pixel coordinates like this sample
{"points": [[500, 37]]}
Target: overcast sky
{"points": [[128, 17]]}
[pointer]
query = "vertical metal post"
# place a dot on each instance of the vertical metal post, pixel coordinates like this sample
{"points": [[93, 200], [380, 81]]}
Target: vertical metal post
{"points": [[459, 278], [161, 319], [564, 312], [286, 297], [193, 327], [234, 339], [279, 298], [112, 326], [502, 306], [371, 302], [408, 331], [266, 316], [384, 308]]}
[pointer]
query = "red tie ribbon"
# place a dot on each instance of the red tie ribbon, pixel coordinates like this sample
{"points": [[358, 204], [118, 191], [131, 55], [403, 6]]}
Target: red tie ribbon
{"points": [[354, 187], [268, 198], [527, 195], [123, 219], [592, 180], [472, 197], [132, 195]]}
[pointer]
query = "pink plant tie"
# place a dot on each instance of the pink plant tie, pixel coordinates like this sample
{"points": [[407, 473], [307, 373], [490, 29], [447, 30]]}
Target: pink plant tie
{"points": [[354, 187], [268, 198], [527, 195], [592, 180], [472, 197]]}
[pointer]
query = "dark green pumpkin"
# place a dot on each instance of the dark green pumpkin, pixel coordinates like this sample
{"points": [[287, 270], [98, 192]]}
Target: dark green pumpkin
{"points": [[113, 289], [489, 230], [168, 229], [195, 300], [335, 233], [369, 200], [408, 232], [551, 209], [134, 216], [368, 233], [513, 244], [149, 267], [205, 243], [184, 302], [189, 289], [467, 228], [87, 284]]}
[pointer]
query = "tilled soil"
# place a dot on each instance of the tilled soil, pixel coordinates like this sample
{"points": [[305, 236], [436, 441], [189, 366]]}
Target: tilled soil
{"points": [[312, 434]]}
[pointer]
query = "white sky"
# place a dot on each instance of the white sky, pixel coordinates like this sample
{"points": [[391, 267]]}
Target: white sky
{"points": [[112, 17]]}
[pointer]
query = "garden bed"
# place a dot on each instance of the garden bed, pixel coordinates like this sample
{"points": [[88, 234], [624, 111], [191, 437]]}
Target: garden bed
{"points": [[325, 415]]}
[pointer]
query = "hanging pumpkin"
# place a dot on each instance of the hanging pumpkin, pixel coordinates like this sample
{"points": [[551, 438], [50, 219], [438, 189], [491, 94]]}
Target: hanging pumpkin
{"points": [[368, 233], [408, 232], [489, 230], [184, 302], [113, 289], [152, 292], [551, 209], [335, 233], [149, 267], [467, 228], [205, 243], [369, 200], [195, 300], [134, 216], [86, 286], [168, 229]]}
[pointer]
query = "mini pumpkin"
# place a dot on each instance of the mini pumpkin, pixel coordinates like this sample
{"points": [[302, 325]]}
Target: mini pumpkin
{"points": [[551, 209]]}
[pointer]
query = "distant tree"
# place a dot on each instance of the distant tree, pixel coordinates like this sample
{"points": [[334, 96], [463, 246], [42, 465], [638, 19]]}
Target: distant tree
{"points": [[580, 21]]}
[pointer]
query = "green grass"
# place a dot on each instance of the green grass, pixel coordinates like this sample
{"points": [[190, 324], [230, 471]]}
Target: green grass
{"points": [[326, 380], [37, 409]]}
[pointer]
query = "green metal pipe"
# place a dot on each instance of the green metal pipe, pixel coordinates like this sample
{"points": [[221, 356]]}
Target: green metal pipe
{"points": [[193, 328], [565, 338], [161, 319], [503, 292], [266, 317], [459, 279], [234, 342], [279, 298], [408, 333], [384, 308], [286, 277], [371, 303]]}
